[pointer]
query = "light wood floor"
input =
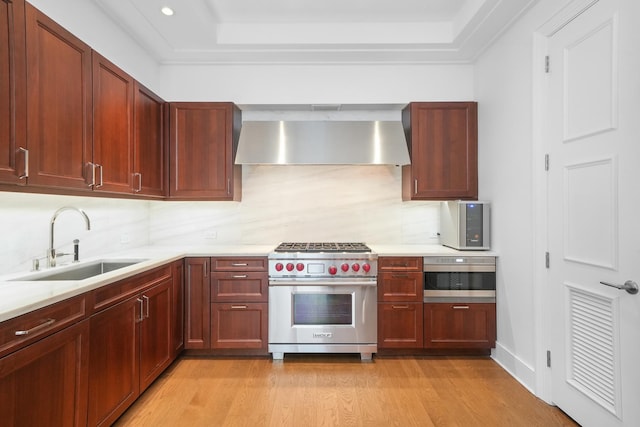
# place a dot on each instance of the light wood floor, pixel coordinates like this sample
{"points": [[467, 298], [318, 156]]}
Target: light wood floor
{"points": [[314, 390]]}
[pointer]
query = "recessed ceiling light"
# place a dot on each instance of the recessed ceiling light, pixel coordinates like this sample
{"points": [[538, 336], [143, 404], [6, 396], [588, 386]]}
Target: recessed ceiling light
{"points": [[167, 10]]}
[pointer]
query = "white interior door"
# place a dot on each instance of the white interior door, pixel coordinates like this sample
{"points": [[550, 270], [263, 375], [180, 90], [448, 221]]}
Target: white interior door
{"points": [[594, 214]]}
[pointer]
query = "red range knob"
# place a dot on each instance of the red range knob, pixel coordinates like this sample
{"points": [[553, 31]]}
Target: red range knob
{"points": [[279, 266], [355, 267], [366, 267], [300, 266], [289, 267], [344, 267], [333, 270]]}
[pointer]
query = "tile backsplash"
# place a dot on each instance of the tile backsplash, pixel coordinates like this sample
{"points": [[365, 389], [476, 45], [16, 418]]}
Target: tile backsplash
{"points": [[279, 203]]}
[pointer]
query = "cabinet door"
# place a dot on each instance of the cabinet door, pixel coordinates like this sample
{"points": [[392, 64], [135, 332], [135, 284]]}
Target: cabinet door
{"points": [[59, 103], [178, 308], [400, 286], [46, 382], [250, 286], [443, 139], [239, 325], [197, 304], [202, 150], [451, 325], [112, 126], [156, 345], [13, 92], [400, 325], [149, 149], [113, 364]]}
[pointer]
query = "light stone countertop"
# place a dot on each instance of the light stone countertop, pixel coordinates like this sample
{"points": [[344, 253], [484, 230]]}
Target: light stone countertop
{"points": [[21, 297]]}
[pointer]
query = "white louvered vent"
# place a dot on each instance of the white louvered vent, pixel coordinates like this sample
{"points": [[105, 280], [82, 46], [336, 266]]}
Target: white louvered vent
{"points": [[593, 348]]}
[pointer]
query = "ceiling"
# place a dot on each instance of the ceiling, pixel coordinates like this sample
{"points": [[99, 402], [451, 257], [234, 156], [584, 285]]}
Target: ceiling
{"points": [[314, 31]]}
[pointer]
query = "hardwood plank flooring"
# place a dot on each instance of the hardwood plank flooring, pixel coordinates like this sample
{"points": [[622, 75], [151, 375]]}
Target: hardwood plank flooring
{"points": [[339, 390]]}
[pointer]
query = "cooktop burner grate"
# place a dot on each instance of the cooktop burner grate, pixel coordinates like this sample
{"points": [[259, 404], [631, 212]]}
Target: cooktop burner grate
{"points": [[322, 247]]}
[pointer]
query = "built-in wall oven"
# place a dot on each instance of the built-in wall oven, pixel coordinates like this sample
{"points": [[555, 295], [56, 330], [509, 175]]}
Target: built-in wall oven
{"points": [[460, 279], [322, 299]]}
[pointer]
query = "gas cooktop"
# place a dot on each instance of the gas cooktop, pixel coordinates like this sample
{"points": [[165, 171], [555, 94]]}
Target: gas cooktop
{"points": [[322, 247]]}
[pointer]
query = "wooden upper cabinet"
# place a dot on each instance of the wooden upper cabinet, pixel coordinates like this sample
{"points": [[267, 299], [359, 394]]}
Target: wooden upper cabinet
{"points": [[113, 91], [148, 148], [13, 92], [203, 141], [443, 146], [59, 102]]}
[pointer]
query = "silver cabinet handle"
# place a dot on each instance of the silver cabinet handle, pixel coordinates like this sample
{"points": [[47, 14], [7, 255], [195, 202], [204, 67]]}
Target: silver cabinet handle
{"points": [[415, 186], [239, 276], [630, 286], [26, 163], [139, 176], [146, 300], [47, 322], [460, 307], [92, 173], [238, 307], [101, 180], [399, 307], [229, 186], [141, 318], [239, 264]]}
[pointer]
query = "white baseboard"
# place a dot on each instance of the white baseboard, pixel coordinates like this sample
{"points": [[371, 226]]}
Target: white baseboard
{"points": [[522, 372]]}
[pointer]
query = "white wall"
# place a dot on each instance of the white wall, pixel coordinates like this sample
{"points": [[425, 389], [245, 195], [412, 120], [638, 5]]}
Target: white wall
{"points": [[504, 93], [306, 84]]}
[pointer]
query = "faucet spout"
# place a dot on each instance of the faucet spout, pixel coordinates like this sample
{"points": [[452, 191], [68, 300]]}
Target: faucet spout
{"points": [[51, 253]]}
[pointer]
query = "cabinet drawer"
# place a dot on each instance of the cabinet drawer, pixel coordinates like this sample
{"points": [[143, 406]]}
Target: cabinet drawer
{"points": [[113, 293], [239, 326], [459, 325], [400, 286], [400, 325], [400, 263], [239, 264], [20, 331], [239, 287]]}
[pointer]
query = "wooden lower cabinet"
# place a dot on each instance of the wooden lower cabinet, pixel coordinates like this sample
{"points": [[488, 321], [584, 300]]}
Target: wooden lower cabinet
{"points": [[400, 325], [130, 346], [45, 383], [197, 326], [460, 325], [178, 307], [239, 325]]}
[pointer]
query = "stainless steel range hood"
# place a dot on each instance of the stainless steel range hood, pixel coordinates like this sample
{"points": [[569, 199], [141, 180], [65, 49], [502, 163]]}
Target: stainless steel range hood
{"points": [[322, 143]]}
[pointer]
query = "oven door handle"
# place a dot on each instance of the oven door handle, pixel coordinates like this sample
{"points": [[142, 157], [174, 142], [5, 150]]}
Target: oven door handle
{"points": [[302, 282]]}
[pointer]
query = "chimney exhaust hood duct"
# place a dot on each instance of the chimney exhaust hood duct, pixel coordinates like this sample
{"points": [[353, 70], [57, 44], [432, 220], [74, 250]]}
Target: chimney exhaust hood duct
{"points": [[322, 143]]}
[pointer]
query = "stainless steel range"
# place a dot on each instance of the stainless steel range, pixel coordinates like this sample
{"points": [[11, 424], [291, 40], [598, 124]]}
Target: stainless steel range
{"points": [[323, 299]]}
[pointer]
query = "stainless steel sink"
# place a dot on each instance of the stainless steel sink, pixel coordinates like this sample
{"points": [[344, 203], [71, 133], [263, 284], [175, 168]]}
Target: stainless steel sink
{"points": [[80, 272]]}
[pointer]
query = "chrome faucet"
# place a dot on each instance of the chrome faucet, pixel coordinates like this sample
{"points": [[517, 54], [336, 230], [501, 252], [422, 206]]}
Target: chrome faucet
{"points": [[51, 253]]}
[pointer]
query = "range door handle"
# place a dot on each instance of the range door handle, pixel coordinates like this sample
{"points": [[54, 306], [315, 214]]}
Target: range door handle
{"points": [[630, 286]]}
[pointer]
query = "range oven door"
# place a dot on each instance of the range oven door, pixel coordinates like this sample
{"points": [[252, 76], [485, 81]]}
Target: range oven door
{"points": [[323, 313]]}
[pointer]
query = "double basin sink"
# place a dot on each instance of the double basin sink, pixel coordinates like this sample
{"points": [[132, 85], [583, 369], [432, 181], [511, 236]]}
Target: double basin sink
{"points": [[80, 271]]}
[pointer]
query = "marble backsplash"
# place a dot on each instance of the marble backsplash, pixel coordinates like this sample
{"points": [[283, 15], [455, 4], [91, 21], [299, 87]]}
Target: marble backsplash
{"points": [[279, 203], [302, 203]]}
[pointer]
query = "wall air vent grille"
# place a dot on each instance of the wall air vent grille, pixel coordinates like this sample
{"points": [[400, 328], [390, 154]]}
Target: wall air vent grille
{"points": [[593, 359]]}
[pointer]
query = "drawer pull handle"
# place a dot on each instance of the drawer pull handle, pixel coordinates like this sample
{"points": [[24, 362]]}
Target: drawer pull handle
{"points": [[238, 307], [239, 276], [146, 300], [239, 264], [141, 303], [461, 307], [399, 307], [47, 322]]}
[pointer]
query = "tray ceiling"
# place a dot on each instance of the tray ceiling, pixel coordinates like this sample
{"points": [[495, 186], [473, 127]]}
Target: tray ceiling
{"points": [[315, 31]]}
